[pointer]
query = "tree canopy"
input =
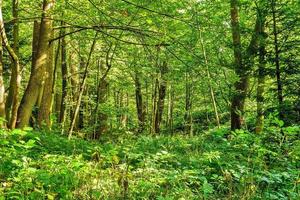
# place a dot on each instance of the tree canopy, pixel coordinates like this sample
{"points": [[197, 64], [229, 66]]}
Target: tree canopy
{"points": [[215, 80]]}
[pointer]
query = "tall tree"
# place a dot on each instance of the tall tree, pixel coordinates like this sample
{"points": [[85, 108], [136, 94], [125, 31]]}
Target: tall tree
{"points": [[12, 102], [243, 63], [64, 74], [260, 100], [139, 102], [14, 57], [238, 99], [37, 76], [162, 87], [44, 111], [277, 59], [2, 90], [82, 87]]}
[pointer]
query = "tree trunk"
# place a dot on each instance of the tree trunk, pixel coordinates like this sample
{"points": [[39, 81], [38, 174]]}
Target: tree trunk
{"points": [[74, 85], [56, 95], [35, 45], [2, 90], [124, 105], [37, 76], [102, 117], [64, 74], [81, 109], [82, 87], [277, 61], [211, 90], [139, 103], [161, 97], [12, 102], [238, 99], [170, 109], [16, 79], [46, 102], [242, 67], [188, 105], [154, 103], [261, 79]]}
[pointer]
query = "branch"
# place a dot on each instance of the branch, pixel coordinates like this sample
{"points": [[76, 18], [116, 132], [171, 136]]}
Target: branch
{"points": [[156, 12]]}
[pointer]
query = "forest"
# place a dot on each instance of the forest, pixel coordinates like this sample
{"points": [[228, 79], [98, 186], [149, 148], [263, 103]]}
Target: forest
{"points": [[150, 99]]}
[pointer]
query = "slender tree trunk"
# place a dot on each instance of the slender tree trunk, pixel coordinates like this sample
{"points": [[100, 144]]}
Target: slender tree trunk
{"points": [[277, 61], [211, 90], [238, 99], [2, 90], [147, 113], [14, 57], [55, 95], [64, 74], [103, 92], [57, 104], [139, 103], [154, 103], [74, 85], [102, 117], [80, 117], [35, 43], [161, 97], [116, 96], [188, 104], [170, 109], [37, 77], [125, 103], [95, 116], [82, 87], [260, 91], [12, 102], [261, 78], [46, 101]]}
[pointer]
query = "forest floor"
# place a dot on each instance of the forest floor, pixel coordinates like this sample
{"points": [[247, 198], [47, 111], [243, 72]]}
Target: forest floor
{"points": [[41, 165]]}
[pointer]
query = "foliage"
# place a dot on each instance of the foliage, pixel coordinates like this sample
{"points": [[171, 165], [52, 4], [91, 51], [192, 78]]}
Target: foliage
{"points": [[45, 165]]}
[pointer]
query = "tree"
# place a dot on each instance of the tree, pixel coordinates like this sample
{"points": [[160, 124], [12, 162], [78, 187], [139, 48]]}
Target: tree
{"points": [[2, 90], [12, 102], [14, 57], [37, 76]]}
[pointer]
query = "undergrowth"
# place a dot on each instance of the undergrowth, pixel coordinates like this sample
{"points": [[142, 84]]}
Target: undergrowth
{"points": [[45, 165]]}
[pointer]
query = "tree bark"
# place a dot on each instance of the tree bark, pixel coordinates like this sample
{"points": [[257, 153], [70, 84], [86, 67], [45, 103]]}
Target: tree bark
{"points": [[64, 74], [102, 117], [74, 73], [12, 102], [2, 90], [238, 99], [161, 97], [188, 105], [242, 66], [37, 77], [277, 61], [139, 103], [170, 109], [261, 77], [46, 102], [155, 86], [16, 78]]}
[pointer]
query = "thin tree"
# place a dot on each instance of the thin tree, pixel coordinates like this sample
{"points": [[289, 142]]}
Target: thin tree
{"points": [[82, 87], [14, 57]]}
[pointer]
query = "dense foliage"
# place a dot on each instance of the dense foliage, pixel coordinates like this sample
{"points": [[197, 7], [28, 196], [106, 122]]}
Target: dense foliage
{"points": [[41, 165], [150, 99]]}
